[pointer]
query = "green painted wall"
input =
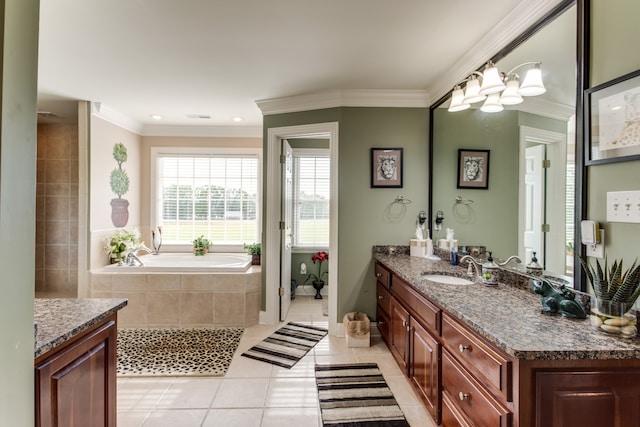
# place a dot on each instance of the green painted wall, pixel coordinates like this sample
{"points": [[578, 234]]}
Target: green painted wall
{"points": [[492, 219], [614, 32], [368, 216], [18, 74]]}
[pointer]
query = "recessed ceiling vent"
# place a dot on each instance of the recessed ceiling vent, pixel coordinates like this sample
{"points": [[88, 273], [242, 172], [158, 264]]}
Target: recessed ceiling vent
{"points": [[199, 116]]}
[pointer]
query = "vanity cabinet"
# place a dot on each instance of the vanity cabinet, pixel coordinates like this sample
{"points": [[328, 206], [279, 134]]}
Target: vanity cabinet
{"points": [[75, 383], [383, 307]]}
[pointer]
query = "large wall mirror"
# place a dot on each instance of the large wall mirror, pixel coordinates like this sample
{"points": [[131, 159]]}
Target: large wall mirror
{"points": [[528, 205]]}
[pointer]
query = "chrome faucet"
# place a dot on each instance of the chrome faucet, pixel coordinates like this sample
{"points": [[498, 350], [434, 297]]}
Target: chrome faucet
{"points": [[511, 258], [473, 265], [131, 258]]}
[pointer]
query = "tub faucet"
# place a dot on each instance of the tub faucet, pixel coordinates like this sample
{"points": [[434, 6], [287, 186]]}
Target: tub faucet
{"points": [[511, 258], [131, 258], [473, 265]]}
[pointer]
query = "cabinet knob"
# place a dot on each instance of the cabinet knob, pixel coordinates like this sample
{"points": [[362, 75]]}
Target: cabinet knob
{"points": [[380, 322], [463, 348], [380, 297], [378, 274], [464, 396]]}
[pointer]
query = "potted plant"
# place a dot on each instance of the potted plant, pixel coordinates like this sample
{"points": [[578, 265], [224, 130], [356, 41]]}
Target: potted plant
{"points": [[119, 182], [317, 281], [117, 245], [201, 246], [254, 249], [615, 292]]}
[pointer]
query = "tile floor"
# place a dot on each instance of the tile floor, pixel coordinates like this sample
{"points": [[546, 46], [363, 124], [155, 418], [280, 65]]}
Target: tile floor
{"points": [[257, 394]]}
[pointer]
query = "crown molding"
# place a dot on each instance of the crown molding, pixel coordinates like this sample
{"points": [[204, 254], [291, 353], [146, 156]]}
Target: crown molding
{"points": [[541, 107], [104, 112], [521, 18], [345, 98]]}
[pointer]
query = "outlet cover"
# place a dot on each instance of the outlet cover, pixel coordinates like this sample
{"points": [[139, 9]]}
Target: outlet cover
{"points": [[597, 250]]}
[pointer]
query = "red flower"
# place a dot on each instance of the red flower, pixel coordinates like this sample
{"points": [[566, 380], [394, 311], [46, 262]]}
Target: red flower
{"points": [[320, 257]]}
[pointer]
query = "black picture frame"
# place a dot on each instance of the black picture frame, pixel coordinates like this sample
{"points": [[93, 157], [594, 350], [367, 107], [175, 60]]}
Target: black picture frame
{"points": [[386, 167], [612, 120], [473, 168]]}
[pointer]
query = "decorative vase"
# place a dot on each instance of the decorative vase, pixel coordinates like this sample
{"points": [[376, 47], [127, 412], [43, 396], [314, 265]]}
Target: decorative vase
{"points": [[255, 259], [613, 318], [200, 251], [119, 212], [317, 286]]}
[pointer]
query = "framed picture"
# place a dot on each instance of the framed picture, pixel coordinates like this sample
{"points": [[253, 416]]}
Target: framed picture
{"points": [[473, 169], [612, 120], [386, 167]]}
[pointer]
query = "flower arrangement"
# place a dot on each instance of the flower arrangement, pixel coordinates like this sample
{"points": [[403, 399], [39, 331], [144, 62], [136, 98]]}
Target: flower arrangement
{"points": [[201, 246], [122, 242], [320, 257]]}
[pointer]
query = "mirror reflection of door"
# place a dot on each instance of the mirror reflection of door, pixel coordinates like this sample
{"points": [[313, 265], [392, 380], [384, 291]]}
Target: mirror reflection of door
{"points": [[287, 235], [534, 184]]}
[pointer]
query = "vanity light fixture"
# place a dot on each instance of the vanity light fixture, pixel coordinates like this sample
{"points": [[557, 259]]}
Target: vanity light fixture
{"points": [[497, 88]]}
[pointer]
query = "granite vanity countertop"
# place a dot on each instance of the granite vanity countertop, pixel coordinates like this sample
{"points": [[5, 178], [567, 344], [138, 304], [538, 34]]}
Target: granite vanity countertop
{"points": [[59, 319], [510, 317]]}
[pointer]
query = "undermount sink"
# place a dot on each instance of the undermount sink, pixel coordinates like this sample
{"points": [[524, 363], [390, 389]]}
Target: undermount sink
{"points": [[447, 280]]}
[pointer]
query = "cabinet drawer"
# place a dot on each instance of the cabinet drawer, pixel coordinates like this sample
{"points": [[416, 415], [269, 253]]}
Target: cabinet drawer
{"points": [[470, 396], [451, 415], [384, 298], [383, 324], [477, 356], [383, 276], [419, 307]]}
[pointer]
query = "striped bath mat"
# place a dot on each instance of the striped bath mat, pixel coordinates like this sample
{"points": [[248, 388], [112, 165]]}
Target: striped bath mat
{"points": [[356, 395], [287, 345]]}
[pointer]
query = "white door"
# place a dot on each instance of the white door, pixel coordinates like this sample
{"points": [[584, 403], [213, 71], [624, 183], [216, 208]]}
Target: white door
{"points": [[287, 235], [534, 203]]}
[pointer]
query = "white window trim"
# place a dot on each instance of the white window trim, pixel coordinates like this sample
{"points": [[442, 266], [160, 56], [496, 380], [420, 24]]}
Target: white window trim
{"points": [[315, 152], [157, 152]]}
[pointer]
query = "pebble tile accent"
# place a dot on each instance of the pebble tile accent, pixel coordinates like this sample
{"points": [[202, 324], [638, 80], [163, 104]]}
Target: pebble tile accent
{"points": [[508, 316], [59, 319]]}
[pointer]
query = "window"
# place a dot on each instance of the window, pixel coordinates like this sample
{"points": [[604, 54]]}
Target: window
{"points": [[311, 176], [204, 192]]}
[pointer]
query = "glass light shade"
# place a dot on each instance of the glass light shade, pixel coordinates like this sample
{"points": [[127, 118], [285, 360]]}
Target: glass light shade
{"points": [[457, 100], [492, 104], [472, 92], [532, 83], [511, 96], [491, 81]]}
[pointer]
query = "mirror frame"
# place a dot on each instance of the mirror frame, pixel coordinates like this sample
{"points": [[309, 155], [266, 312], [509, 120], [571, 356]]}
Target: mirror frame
{"points": [[582, 78]]}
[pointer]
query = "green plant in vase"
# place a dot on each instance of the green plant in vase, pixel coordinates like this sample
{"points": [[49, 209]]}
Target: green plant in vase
{"points": [[254, 249], [615, 293], [201, 246], [119, 181], [317, 279]]}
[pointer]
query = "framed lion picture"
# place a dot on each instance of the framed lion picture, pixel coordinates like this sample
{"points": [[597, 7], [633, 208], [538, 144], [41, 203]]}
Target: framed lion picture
{"points": [[386, 167], [473, 169]]}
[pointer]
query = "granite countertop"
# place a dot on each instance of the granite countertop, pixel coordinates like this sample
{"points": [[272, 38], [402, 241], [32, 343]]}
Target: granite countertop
{"points": [[510, 317], [59, 319]]}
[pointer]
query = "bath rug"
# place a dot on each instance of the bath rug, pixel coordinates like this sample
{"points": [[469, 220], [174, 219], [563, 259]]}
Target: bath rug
{"points": [[356, 395], [176, 352], [287, 345]]}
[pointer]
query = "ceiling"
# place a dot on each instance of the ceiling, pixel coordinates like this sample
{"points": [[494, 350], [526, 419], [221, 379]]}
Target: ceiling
{"points": [[216, 59]]}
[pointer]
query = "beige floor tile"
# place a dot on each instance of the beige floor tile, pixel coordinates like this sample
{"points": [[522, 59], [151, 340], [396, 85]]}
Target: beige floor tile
{"points": [[233, 418], [279, 417], [417, 416], [132, 418], [336, 359], [244, 367], [292, 393], [305, 368], [402, 391], [190, 393], [142, 393], [241, 393], [175, 418]]}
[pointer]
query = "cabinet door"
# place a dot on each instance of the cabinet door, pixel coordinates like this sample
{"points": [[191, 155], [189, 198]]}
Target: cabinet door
{"points": [[399, 339], [383, 324], [423, 367], [77, 385], [592, 398]]}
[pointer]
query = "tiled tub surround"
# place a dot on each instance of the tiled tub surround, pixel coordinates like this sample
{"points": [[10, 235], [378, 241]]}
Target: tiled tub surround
{"points": [[509, 316], [61, 319], [175, 300]]}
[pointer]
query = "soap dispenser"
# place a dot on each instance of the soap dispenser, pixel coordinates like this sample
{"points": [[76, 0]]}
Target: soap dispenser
{"points": [[533, 268], [490, 272]]}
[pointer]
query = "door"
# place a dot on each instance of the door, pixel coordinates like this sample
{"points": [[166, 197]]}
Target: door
{"points": [[534, 203], [287, 235], [423, 366], [399, 339]]}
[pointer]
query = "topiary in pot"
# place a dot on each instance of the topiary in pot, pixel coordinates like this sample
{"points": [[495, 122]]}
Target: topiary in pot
{"points": [[119, 182]]}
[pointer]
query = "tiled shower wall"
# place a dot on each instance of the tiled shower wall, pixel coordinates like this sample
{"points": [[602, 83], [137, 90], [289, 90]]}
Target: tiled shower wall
{"points": [[57, 210]]}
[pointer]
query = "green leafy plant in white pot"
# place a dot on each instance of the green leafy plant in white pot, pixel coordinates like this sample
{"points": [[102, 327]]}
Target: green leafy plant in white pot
{"points": [[615, 293]]}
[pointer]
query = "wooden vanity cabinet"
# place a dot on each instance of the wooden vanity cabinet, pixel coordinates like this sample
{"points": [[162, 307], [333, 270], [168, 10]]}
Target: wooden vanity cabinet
{"points": [[76, 382], [383, 306]]}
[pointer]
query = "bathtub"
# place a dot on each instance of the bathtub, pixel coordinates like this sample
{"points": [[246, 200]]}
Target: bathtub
{"points": [[188, 262], [181, 290]]}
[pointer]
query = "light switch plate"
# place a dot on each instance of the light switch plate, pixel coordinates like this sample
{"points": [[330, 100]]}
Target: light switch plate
{"points": [[596, 250], [623, 206]]}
